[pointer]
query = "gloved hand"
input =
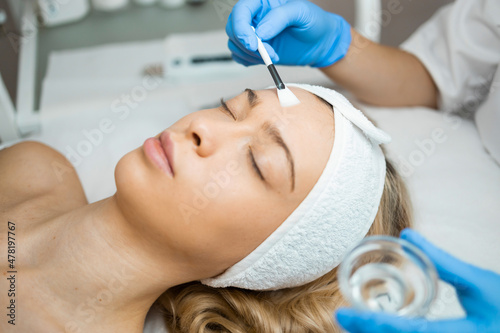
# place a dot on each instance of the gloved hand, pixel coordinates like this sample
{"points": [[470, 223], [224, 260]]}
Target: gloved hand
{"points": [[294, 32], [478, 291]]}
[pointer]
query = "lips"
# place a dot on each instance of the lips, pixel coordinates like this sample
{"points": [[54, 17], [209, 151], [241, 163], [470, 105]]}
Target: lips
{"points": [[168, 147], [160, 152]]}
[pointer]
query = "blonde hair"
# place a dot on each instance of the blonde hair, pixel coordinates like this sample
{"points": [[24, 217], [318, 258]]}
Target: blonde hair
{"points": [[196, 308]]}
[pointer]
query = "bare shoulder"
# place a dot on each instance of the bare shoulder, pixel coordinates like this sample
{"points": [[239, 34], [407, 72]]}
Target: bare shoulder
{"points": [[30, 169]]}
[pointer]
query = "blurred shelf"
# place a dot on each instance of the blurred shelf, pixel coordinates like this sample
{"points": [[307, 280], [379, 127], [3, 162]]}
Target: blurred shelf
{"points": [[133, 23]]}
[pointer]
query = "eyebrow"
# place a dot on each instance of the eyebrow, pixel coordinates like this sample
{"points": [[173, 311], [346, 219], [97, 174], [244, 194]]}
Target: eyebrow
{"points": [[226, 108], [272, 131], [253, 100]]}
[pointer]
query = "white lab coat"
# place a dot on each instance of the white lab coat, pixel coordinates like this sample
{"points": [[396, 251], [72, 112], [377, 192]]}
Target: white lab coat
{"points": [[460, 47]]}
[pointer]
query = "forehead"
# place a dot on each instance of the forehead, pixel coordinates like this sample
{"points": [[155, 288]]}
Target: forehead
{"points": [[310, 104], [307, 129], [311, 114]]}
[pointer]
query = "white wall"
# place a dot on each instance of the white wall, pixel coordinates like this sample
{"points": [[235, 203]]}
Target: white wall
{"points": [[397, 27]]}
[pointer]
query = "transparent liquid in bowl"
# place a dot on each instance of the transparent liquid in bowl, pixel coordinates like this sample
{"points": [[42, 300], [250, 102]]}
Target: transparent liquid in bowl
{"points": [[381, 287], [388, 274]]}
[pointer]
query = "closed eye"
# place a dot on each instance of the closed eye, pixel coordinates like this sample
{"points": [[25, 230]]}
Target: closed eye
{"points": [[226, 109], [254, 164]]}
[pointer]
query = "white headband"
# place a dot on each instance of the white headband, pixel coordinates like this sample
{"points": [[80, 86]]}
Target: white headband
{"points": [[334, 216]]}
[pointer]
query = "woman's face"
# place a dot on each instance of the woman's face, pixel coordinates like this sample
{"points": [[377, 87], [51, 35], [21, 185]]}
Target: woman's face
{"points": [[238, 171]]}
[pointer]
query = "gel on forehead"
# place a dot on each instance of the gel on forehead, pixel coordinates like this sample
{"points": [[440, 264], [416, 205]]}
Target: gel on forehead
{"points": [[335, 215]]}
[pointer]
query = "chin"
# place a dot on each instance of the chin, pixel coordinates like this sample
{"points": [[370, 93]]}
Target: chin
{"points": [[132, 177], [138, 192], [140, 198], [124, 170]]}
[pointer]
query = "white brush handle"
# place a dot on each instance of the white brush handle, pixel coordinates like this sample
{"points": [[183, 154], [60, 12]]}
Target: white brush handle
{"points": [[262, 50]]}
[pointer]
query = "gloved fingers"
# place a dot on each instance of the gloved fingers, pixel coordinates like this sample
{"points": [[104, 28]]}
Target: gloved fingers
{"points": [[361, 322], [279, 18], [457, 325], [254, 56], [243, 57], [241, 49], [272, 54], [379, 322], [450, 269], [240, 23], [236, 41]]}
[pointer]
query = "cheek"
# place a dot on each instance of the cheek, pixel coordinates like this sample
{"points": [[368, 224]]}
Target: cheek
{"points": [[234, 223], [201, 187], [142, 192], [209, 216]]}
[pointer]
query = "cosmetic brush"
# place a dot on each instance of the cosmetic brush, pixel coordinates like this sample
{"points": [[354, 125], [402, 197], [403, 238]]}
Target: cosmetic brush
{"points": [[285, 95]]}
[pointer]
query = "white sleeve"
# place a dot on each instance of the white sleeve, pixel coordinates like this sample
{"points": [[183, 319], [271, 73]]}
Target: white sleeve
{"points": [[460, 47]]}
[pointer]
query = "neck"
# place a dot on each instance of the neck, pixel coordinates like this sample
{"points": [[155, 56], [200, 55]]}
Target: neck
{"points": [[96, 263]]}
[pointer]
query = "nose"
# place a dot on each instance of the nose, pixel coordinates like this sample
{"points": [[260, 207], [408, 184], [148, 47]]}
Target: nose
{"points": [[203, 134]]}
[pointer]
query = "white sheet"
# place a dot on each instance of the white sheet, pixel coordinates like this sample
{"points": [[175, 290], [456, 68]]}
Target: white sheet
{"points": [[454, 185], [455, 188]]}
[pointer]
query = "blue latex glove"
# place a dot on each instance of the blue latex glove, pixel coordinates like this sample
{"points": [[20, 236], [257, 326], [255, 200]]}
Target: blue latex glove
{"points": [[295, 32], [478, 291]]}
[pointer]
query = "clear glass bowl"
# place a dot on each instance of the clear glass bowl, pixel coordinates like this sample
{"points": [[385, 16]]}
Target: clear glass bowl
{"points": [[388, 274]]}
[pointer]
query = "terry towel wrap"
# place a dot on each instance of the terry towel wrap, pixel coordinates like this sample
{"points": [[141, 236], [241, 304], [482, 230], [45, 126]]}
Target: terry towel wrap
{"points": [[335, 215]]}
